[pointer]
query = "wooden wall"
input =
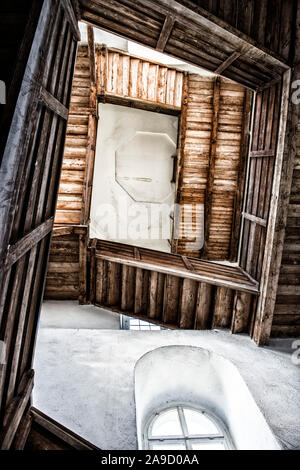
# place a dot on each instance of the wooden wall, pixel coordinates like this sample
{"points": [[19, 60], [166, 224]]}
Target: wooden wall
{"points": [[212, 162], [22, 18], [286, 320], [29, 176]]}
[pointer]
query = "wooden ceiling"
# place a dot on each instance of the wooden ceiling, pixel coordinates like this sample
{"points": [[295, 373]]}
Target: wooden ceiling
{"points": [[189, 33]]}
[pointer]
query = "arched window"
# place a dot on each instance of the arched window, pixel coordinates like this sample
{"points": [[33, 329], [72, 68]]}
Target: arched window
{"points": [[183, 427]]}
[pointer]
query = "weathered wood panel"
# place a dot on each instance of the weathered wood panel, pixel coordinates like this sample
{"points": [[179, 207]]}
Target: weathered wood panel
{"points": [[286, 320], [30, 175], [270, 23], [211, 156], [127, 76], [259, 179], [62, 281]]}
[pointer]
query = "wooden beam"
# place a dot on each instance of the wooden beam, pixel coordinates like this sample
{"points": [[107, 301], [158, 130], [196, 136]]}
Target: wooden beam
{"points": [[235, 55], [137, 253], [211, 165], [59, 231], [52, 103], [242, 167], [69, 9], [30, 240], [241, 312], [187, 263], [267, 85], [165, 33], [187, 304], [93, 274], [282, 179], [83, 240], [222, 311]]}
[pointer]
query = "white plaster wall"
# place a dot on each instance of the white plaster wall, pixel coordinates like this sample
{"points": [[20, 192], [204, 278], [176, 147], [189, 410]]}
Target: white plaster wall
{"points": [[132, 194], [201, 378]]}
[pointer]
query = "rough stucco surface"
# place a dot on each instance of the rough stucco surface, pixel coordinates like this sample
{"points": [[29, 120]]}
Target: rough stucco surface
{"points": [[85, 379], [132, 194]]}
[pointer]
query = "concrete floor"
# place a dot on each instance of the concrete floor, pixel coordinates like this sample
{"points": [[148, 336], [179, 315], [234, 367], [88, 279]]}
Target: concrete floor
{"points": [[84, 377]]}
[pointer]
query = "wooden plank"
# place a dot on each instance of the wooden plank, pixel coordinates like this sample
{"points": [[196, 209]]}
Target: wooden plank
{"points": [[52, 103], [91, 54], [222, 311], [188, 304], [256, 220], [60, 432], [83, 267], [153, 287], [59, 231], [113, 290], [278, 213], [93, 274], [187, 263], [101, 282], [127, 288], [203, 306], [171, 299], [286, 151], [138, 297], [15, 411], [242, 285], [180, 157], [165, 33], [262, 153]]}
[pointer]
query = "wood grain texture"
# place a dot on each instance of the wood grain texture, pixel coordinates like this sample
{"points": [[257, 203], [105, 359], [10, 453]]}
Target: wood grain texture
{"points": [[211, 158]]}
